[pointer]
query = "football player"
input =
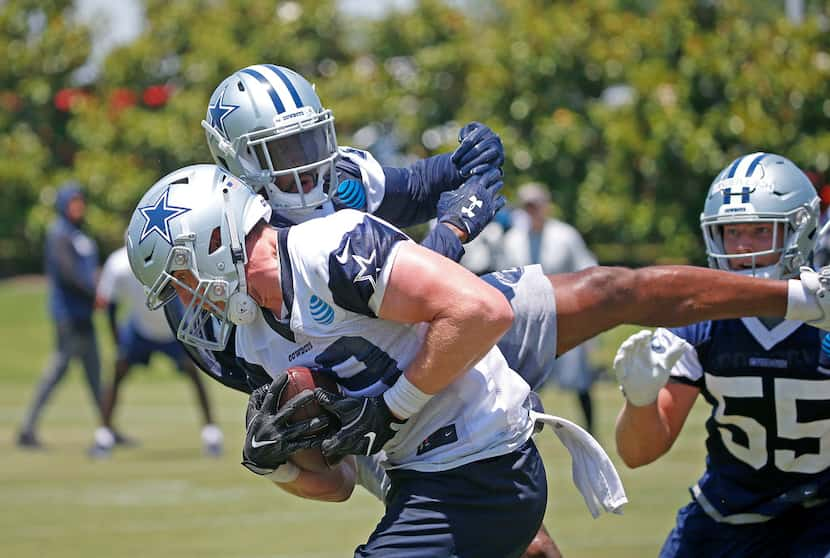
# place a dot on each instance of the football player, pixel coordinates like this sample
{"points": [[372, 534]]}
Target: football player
{"points": [[141, 334], [766, 487], [267, 125], [410, 337]]}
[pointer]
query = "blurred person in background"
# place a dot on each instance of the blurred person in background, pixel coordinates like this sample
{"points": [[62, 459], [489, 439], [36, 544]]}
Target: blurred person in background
{"points": [[71, 263], [140, 335], [765, 491], [537, 238]]}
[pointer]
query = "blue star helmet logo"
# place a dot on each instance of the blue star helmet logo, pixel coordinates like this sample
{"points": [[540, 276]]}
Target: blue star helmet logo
{"points": [[219, 112], [158, 217]]}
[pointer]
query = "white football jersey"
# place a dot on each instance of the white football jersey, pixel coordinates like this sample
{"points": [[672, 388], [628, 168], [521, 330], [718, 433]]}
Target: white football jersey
{"points": [[334, 273], [118, 284]]}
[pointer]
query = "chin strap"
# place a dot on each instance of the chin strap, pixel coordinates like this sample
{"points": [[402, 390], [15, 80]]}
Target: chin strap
{"points": [[241, 308]]}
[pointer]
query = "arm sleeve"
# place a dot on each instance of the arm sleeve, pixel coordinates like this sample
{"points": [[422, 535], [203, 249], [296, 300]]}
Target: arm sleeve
{"points": [[70, 274], [412, 193], [443, 241]]}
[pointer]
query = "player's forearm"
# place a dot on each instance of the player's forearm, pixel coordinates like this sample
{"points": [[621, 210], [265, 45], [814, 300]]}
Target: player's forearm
{"points": [[641, 434], [680, 295], [599, 298], [335, 485], [457, 339]]}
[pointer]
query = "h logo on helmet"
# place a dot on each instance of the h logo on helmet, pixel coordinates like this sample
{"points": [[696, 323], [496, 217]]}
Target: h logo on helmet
{"points": [[744, 194]]}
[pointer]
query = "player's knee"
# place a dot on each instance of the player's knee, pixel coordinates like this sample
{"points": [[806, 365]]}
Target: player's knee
{"points": [[542, 546]]}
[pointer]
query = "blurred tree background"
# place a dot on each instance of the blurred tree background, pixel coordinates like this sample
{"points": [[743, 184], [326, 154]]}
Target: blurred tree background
{"points": [[625, 108]]}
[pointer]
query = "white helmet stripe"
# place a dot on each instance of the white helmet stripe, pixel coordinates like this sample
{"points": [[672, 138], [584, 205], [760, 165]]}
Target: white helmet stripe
{"points": [[275, 98], [277, 85], [284, 78], [743, 167]]}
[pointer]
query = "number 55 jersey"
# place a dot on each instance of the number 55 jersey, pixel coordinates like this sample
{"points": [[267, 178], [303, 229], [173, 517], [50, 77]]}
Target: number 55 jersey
{"points": [[769, 431]]}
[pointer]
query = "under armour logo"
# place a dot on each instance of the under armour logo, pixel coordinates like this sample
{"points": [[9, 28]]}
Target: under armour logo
{"points": [[470, 210]]}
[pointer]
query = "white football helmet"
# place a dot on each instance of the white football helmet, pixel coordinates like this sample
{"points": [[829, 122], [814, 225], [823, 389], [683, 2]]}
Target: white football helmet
{"points": [[194, 221], [265, 123], [762, 187]]}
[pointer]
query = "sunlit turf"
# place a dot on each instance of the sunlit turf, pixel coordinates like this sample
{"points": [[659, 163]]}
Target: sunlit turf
{"points": [[165, 499]]}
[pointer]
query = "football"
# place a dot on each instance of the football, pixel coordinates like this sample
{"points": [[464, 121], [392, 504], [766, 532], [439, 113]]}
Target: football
{"points": [[301, 378]]}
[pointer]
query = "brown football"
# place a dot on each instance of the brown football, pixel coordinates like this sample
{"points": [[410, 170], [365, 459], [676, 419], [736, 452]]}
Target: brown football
{"points": [[301, 378]]}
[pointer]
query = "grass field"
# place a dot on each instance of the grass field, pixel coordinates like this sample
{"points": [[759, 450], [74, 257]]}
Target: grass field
{"points": [[164, 499]]}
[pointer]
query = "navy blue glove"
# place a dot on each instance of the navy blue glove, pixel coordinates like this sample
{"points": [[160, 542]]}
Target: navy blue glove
{"points": [[480, 150], [367, 424], [270, 438], [473, 204]]}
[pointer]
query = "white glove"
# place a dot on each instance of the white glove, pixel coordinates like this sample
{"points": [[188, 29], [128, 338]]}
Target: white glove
{"points": [[642, 365], [808, 300]]}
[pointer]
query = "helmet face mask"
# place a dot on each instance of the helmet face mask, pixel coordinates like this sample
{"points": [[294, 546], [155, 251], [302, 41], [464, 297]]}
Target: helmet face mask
{"points": [[266, 124], [761, 188], [195, 249]]}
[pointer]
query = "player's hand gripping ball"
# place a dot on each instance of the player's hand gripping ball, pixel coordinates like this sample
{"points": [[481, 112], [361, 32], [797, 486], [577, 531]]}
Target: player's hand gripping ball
{"points": [[285, 422]]}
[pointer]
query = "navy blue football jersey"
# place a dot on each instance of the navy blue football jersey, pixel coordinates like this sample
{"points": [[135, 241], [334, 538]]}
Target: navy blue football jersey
{"points": [[769, 431]]}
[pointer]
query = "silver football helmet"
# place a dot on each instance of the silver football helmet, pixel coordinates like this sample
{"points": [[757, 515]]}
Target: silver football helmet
{"points": [[188, 232], [266, 124], [762, 187]]}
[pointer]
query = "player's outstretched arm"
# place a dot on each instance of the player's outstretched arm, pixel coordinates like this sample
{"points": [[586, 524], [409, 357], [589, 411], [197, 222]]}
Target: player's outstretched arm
{"points": [[599, 298]]}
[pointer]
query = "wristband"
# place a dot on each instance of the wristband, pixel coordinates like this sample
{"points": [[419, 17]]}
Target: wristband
{"points": [[404, 399], [802, 305], [285, 473]]}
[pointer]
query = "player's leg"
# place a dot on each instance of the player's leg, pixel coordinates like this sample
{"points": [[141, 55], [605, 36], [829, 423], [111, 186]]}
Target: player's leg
{"points": [[88, 352], [110, 398], [542, 546], [586, 403], [462, 512], [696, 535], [212, 438], [52, 375], [132, 349]]}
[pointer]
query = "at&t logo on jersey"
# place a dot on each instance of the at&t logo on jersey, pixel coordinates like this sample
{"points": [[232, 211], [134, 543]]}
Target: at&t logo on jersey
{"points": [[321, 312]]}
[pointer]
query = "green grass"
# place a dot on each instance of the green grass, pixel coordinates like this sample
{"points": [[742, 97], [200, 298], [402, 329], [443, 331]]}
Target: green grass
{"points": [[165, 499]]}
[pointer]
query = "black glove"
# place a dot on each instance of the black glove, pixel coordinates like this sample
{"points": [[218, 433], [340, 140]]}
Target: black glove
{"points": [[269, 439], [473, 204], [480, 150], [367, 424]]}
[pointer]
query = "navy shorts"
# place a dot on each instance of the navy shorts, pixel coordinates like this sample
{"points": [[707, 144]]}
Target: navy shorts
{"points": [[135, 349], [486, 509], [798, 533]]}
